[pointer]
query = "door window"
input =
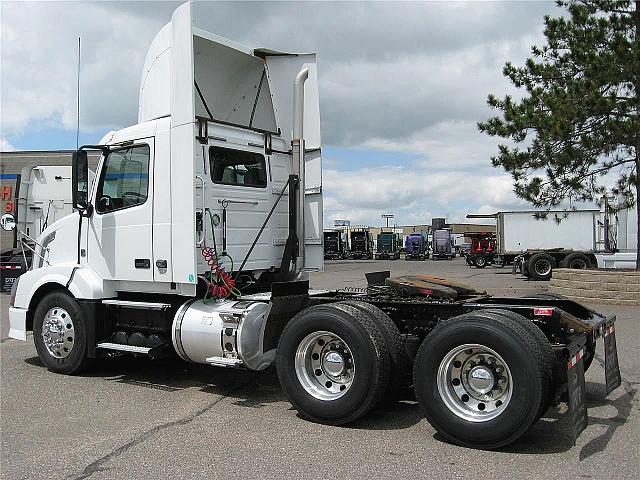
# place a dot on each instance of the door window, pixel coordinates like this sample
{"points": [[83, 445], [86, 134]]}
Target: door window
{"points": [[124, 181], [236, 167]]}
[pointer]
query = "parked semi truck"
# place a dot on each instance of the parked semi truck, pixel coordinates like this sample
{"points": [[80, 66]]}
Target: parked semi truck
{"points": [[443, 244], [535, 243], [361, 247], [416, 247], [387, 246], [42, 195], [482, 250], [333, 245], [144, 266]]}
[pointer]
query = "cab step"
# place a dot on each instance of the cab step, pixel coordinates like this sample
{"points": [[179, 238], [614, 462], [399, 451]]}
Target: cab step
{"points": [[124, 348], [137, 305]]}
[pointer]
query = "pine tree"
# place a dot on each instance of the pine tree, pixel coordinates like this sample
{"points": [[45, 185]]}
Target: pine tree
{"points": [[577, 128]]}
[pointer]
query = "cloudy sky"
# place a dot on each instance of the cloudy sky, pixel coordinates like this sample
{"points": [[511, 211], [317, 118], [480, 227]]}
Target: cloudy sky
{"points": [[402, 86]]}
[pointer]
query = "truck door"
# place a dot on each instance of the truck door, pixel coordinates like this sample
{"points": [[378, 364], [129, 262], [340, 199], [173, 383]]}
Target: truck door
{"points": [[119, 239], [242, 200]]}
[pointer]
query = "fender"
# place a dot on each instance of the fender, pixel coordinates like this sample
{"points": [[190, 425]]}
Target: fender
{"points": [[81, 281]]}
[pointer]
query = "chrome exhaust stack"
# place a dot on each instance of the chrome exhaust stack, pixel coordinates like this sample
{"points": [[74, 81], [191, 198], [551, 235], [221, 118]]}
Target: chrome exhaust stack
{"points": [[297, 148]]}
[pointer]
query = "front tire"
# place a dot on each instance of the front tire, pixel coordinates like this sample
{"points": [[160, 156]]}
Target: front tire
{"points": [[480, 379], [59, 334], [480, 261], [332, 363]]}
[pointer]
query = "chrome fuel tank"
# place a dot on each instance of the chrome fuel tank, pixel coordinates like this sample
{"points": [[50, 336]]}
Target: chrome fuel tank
{"points": [[228, 333]]}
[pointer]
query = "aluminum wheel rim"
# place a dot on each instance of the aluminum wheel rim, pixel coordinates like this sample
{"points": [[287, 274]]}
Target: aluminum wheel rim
{"points": [[542, 267], [475, 383], [325, 365], [58, 333], [480, 261]]}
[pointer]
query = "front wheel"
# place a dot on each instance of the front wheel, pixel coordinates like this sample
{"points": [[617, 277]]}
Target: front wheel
{"points": [[59, 333], [480, 379], [480, 261]]}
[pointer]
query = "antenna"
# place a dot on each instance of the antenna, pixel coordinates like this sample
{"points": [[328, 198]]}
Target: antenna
{"points": [[78, 108]]}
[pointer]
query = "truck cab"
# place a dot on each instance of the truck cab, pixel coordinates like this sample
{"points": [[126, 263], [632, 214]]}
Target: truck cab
{"points": [[218, 182]]}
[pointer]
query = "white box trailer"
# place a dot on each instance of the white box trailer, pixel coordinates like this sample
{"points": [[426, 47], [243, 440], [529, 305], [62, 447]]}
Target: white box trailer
{"points": [[536, 242], [517, 232], [225, 162], [43, 197]]}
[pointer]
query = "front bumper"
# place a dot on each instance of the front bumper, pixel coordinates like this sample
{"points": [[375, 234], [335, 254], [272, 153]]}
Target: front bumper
{"points": [[18, 323]]}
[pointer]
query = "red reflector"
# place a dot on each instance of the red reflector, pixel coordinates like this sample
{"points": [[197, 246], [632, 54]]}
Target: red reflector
{"points": [[545, 312], [425, 291]]}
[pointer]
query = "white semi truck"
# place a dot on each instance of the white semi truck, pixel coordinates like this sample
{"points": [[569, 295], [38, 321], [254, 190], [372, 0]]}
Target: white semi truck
{"points": [[43, 196], [225, 163]]}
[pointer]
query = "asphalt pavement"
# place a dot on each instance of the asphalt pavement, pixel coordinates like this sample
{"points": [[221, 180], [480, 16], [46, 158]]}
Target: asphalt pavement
{"points": [[135, 418]]}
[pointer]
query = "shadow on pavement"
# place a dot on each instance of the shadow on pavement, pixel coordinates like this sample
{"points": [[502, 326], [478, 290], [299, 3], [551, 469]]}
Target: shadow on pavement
{"points": [[551, 434]]}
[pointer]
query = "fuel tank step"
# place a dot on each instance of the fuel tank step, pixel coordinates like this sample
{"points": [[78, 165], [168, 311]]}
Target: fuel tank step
{"points": [[224, 362]]}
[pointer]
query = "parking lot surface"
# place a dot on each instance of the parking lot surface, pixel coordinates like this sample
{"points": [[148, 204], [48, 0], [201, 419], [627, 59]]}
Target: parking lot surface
{"points": [[135, 418]]}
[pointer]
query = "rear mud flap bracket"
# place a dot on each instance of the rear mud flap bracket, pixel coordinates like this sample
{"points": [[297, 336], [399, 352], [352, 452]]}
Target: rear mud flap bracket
{"points": [[576, 389]]}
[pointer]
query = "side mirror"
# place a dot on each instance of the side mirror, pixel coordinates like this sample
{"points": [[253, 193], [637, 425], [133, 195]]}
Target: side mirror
{"points": [[80, 180], [8, 222]]}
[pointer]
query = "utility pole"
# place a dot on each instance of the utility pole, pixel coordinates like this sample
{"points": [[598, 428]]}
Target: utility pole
{"points": [[387, 216]]}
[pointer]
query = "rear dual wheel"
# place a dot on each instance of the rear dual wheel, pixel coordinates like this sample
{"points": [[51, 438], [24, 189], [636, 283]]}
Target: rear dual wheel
{"points": [[333, 363], [482, 378]]}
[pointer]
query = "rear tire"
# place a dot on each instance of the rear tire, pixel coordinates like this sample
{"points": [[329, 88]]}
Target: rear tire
{"points": [[347, 350], [577, 261], [451, 386], [541, 266], [545, 348], [59, 334], [399, 360]]}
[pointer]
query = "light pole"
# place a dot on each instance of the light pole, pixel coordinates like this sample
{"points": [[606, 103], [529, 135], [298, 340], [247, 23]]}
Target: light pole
{"points": [[387, 216]]}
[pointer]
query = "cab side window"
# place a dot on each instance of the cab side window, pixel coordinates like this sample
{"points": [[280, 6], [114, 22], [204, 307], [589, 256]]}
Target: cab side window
{"points": [[236, 167], [124, 180]]}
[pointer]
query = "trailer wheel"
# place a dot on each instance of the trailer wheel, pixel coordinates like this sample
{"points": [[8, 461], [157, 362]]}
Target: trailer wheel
{"points": [[332, 363], [399, 360], [59, 334], [577, 261], [480, 261], [541, 266], [480, 379]]}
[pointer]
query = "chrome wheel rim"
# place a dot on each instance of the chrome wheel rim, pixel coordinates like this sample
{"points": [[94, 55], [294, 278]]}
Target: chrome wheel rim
{"points": [[543, 267], [475, 383], [480, 261], [325, 365], [58, 333]]}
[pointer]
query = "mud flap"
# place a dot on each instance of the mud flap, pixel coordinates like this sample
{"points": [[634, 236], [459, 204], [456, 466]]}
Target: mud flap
{"points": [[577, 391], [611, 367]]}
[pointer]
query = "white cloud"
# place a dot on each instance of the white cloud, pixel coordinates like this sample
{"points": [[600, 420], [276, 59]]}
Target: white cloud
{"points": [[405, 77], [413, 195], [5, 146]]}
